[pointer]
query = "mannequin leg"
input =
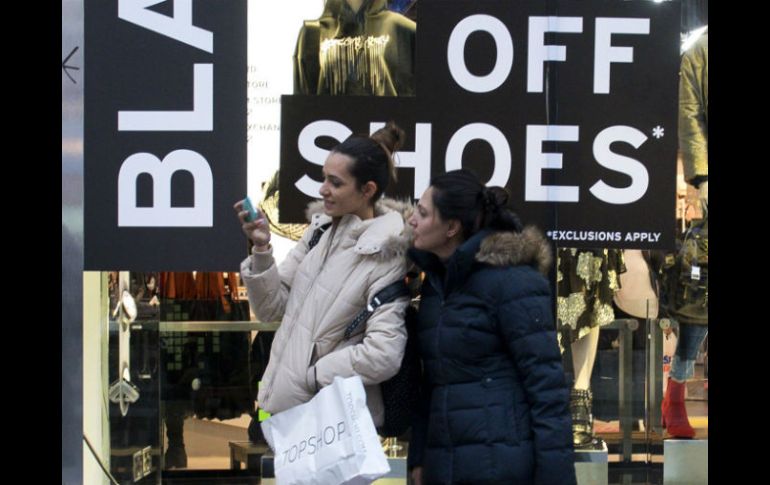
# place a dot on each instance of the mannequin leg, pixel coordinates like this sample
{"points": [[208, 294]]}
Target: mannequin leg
{"points": [[583, 358], [581, 399], [690, 339], [176, 456], [673, 408]]}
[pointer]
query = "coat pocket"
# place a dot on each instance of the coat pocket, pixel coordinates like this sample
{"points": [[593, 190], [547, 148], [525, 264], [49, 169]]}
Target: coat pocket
{"points": [[311, 384], [313, 354], [500, 410]]}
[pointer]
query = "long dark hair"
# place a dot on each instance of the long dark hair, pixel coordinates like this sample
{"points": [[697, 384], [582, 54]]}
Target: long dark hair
{"points": [[373, 156], [460, 195]]}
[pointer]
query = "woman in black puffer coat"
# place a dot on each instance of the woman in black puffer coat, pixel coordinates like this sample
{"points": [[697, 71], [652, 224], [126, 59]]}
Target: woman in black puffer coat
{"points": [[495, 401]]}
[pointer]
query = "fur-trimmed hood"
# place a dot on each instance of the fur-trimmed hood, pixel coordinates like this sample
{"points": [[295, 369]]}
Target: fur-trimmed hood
{"points": [[493, 248], [529, 247], [387, 236]]}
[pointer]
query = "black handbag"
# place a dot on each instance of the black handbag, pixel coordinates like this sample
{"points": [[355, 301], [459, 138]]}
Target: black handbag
{"points": [[400, 393]]}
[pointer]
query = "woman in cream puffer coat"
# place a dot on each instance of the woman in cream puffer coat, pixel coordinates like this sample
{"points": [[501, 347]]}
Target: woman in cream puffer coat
{"points": [[316, 292]]}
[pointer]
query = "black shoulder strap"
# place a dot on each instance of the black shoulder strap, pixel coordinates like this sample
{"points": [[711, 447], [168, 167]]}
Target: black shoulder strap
{"points": [[385, 295], [317, 235]]}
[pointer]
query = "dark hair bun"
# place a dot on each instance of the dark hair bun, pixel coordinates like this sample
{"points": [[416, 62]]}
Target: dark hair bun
{"points": [[391, 137], [496, 197]]}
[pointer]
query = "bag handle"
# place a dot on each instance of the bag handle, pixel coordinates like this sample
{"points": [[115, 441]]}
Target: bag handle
{"points": [[386, 295]]}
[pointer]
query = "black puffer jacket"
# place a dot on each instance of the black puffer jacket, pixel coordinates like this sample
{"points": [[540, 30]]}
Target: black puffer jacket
{"points": [[496, 404]]}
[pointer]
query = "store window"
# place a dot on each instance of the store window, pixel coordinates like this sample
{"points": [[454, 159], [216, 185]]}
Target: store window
{"points": [[178, 356]]}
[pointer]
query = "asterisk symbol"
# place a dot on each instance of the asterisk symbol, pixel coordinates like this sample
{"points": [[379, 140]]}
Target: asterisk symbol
{"points": [[657, 132]]}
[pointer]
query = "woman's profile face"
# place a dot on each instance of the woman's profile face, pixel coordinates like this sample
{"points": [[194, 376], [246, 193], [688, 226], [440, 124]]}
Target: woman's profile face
{"points": [[339, 190], [430, 231]]}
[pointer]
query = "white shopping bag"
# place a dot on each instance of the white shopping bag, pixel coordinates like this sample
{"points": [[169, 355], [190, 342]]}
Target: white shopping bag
{"points": [[330, 440]]}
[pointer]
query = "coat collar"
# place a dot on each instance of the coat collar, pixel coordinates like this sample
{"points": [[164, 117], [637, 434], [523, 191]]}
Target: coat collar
{"points": [[492, 248], [386, 235]]}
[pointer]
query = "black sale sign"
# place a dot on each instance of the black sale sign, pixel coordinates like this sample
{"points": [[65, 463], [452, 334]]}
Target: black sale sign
{"points": [[165, 134], [572, 106]]}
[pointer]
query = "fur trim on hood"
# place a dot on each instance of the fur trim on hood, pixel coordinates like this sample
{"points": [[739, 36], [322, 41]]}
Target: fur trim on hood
{"points": [[391, 246], [529, 247]]}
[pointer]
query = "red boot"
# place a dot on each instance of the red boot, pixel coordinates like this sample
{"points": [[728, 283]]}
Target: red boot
{"points": [[674, 413]]}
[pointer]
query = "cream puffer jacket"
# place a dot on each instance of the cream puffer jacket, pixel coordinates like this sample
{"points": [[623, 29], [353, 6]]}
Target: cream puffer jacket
{"points": [[317, 293]]}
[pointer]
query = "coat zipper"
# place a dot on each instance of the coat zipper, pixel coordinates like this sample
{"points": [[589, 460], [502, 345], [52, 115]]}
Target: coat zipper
{"points": [[439, 324]]}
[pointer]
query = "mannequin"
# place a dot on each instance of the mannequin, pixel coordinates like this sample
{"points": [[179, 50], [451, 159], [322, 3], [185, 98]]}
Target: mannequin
{"points": [[378, 47], [586, 283], [637, 295], [357, 47], [693, 115], [685, 284], [693, 144], [637, 298], [176, 396]]}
